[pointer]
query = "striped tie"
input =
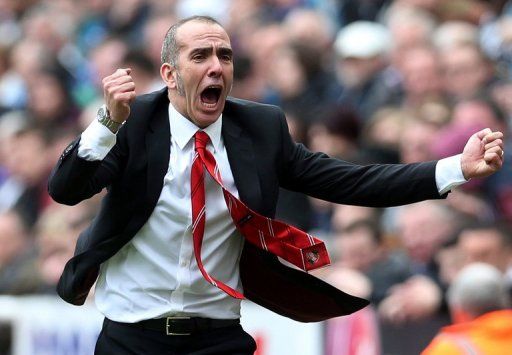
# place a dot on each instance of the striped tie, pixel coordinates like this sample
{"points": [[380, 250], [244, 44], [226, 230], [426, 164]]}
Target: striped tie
{"points": [[293, 245]]}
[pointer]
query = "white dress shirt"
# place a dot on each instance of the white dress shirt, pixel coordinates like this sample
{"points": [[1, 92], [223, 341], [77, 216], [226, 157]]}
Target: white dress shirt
{"points": [[156, 274]]}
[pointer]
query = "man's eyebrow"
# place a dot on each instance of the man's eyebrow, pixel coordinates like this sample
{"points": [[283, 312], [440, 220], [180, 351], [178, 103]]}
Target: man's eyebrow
{"points": [[201, 50], [225, 51], [208, 50]]}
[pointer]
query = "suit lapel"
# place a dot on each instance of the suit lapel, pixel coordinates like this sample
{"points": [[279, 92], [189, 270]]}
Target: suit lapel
{"points": [[242, 161], [158, 147], [238, 145]]}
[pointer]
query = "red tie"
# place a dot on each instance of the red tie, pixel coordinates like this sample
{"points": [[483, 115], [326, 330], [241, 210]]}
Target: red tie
{"points": [[293, 245]]}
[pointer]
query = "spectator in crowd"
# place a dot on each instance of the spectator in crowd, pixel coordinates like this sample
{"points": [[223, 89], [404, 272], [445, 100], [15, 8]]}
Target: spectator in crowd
{"points": [[25, 66], [106, 57], [11, 187], [337, 133], [467, 72], [18, 273], [143, 71], [49, 103], [247, 86], [410, 26], [450, 260], [154, 30], [346, 215], [261, 42], [311, 29], [423, 228], [382, 135], [454, 33], [12, 87], [489, 243], [360, 246], [361, 53], [417, 140], [353, 10], [55, 238], [301, 84], [357, 333], [421, 77], [28, 167], [479, 302], [127, 19]]}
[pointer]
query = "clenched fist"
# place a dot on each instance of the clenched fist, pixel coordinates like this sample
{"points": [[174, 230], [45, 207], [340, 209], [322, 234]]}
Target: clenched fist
{"points": [[119, 92], [483, 154]]}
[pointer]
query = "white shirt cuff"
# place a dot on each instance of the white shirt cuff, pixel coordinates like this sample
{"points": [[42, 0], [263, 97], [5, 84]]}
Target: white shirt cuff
{"points": [[449, 174], [95, 142]]}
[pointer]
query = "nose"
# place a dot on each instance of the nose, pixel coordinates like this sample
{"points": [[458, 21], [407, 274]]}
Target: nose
{"points": [[215, 69]]}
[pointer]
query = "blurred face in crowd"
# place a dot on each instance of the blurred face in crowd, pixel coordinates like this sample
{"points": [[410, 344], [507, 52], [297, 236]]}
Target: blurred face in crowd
{"points": [[203, 75], [28, 158], [56, 233], [345, 215], [107, 57], [287, 76], [154, 31], [465, 71], [421, 73], [485, 245], [47, 98], [309, 27], [355, 72], [321, 139], [416, 141], [358, 250], [475, 113], [423, 228], [12, 238]]}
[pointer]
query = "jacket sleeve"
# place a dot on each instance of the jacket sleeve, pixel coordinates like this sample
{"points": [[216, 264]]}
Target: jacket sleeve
{"points": [[75, 179], [338, 181]]}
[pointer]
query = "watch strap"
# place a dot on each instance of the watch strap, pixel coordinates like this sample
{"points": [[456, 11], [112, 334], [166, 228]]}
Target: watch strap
{"points": [[103, 117]]}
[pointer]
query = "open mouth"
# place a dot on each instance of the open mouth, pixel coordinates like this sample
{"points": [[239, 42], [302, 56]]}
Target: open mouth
{"points": [[211, 95]]}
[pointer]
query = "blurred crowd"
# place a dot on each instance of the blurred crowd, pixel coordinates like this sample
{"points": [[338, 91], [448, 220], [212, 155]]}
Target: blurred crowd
{"points": [[367, 81]]}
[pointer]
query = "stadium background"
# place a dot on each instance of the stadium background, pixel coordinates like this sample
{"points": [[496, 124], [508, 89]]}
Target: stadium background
{"points": [[368, 81]]}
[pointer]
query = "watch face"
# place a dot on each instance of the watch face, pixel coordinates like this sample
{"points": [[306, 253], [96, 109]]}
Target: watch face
{"points": [[102, 113]]}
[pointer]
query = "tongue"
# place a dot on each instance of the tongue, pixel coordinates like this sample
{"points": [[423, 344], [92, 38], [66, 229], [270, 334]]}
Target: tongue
{"points": [[209, 96]]}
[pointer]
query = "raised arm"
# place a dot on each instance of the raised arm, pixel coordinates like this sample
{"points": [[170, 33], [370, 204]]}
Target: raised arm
{"points": [[383, 185], [95, 159]]}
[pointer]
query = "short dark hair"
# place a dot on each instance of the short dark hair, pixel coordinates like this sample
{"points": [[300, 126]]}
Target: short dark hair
{"points": [[368, 225], [502, 229], [170, 47]]}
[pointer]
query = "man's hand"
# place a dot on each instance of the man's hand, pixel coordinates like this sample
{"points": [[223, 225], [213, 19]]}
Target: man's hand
{"points": [[119, 92], [483, 154]]}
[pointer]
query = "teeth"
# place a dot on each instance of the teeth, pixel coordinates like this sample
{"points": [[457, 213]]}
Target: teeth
{"points": [[208, 105]]}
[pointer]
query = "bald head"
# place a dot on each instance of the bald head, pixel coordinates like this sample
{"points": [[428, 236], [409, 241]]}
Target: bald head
{"points": [[479, 288]]}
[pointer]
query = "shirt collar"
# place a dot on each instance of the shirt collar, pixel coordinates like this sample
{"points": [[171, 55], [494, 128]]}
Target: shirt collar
{"points": [[182, 129]]}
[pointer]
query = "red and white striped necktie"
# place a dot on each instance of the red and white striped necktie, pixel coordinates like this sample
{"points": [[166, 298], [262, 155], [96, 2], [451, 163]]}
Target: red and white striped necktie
{"points": [[293, 245]]}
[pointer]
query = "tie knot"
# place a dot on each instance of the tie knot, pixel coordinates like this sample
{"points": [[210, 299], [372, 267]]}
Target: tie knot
{"points": [[201, 139]]}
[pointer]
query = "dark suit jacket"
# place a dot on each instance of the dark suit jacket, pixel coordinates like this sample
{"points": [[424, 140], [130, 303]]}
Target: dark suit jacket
{"points": [[262, 158]]}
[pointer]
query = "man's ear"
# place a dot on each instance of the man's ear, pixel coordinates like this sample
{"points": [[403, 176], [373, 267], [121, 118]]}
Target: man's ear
{"points": [[167, 72]]}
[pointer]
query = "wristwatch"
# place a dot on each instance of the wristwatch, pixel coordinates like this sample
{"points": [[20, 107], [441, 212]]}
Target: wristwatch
{"points": [[103, 117]]}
